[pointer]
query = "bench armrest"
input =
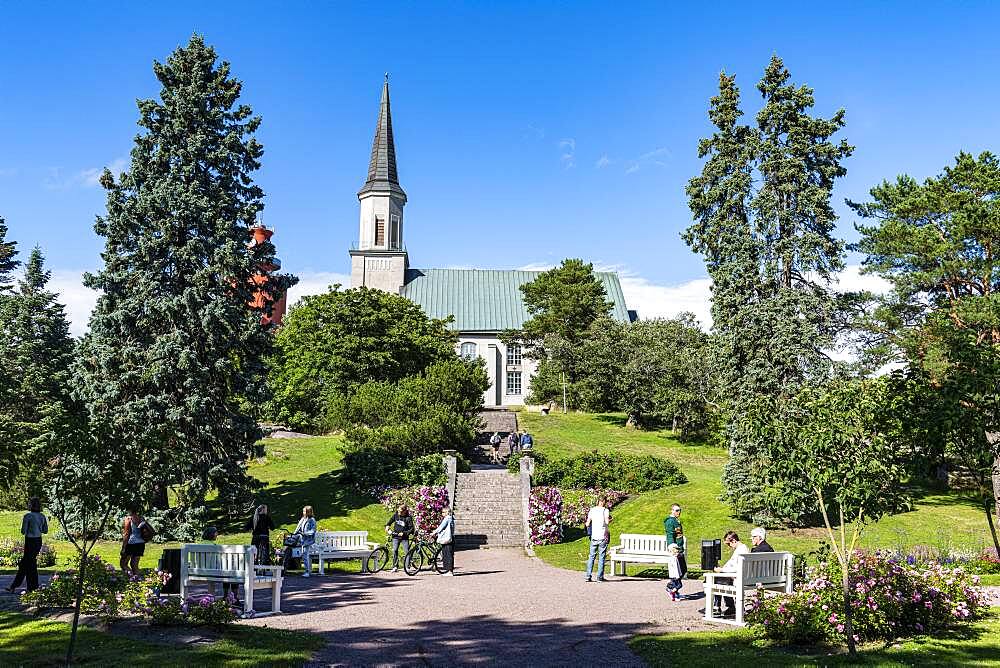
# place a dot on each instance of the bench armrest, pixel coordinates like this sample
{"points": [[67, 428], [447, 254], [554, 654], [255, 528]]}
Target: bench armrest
{"points": [[276, 570], [372, 546], [711, 575]]}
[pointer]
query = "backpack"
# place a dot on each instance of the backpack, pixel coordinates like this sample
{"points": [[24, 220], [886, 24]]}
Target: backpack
{"points": [[146, 531]]}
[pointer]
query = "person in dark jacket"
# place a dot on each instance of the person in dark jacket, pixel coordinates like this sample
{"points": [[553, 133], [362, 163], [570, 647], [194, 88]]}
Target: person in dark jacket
{"points": [[757, 537], [260, 534], [400, 525], [33, 525]]}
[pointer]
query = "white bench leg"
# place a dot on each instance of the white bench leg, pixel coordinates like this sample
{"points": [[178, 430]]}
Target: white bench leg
{"points": [[248, 600], [321, 571], [276, 594], [739, 606], [708, 600]]}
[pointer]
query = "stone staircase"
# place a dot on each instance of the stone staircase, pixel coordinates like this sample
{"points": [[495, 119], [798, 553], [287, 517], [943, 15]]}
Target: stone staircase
{"points": [[488, 509]]}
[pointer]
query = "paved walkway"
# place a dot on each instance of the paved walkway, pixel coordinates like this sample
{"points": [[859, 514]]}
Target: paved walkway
{"points": [[501, 608]]}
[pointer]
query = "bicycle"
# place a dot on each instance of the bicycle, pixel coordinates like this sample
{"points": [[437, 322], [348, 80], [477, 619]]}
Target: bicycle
{"points": [[424, 549], [379, 558]]}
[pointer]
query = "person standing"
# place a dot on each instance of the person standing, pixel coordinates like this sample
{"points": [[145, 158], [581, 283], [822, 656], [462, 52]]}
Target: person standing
{"points": [[495, 446], [513, 442], [400, 525], [732, 540], [757, 537], [445, 535], [136, 532], [598, 520], [675, 536], [260, 534], [306, 530], [33, 526], [526, 441]]}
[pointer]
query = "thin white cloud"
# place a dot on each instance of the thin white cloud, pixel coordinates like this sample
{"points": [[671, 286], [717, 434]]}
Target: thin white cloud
{"points": [[655, 158], [85, 178], [79, 301], [567, 150], [315, 283], [603, 162], [534, 132], [633, 167], [8, 171]]}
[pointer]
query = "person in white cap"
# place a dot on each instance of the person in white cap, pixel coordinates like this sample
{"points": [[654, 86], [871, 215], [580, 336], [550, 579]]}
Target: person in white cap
{"points": [[757, 537]]}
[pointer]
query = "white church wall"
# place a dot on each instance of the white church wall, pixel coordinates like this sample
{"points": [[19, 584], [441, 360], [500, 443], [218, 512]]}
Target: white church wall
{"points": [[493, 351]]}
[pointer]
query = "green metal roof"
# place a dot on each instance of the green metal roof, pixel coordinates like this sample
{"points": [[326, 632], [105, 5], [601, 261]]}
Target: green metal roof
{"points": [[487, 300]]}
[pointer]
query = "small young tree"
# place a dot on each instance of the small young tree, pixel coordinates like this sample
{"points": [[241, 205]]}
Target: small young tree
{"points": [[837, 443]]}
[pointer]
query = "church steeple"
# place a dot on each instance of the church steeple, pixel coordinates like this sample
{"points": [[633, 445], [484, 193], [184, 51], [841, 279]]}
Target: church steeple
{"points": [[382, 174], [380, 259]]}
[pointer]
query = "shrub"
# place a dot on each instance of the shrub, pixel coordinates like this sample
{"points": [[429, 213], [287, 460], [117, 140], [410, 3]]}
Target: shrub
{"points": [[514, 461], [427, 504], [545, 515], [890, 599], [103, 589], [610, 470], [578, 502], [426, 470], [12, 549]]}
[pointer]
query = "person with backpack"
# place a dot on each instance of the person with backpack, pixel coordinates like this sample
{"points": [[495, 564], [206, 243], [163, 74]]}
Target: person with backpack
{"points": [[261, 525], [400, 525], [495, 445], [445, 535], [513, 442], [136, 532], [33, 525]]}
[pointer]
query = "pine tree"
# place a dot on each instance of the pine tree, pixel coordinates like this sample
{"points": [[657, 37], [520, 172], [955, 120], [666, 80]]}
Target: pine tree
{"points": [[174, 353], [38, 352], [764, 223], [8, 251]]}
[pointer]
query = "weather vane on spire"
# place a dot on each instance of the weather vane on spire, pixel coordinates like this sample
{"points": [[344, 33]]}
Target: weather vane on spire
{"points": [[387, 77]]}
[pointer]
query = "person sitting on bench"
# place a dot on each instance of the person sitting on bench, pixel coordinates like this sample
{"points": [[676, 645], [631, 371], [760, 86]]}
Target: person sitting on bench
{"points": [[732, 541]]}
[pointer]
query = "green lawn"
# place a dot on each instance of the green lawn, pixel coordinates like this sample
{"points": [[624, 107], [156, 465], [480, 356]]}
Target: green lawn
{"points": [[297, 472], [976, 645], [31, 641], [938, 520]]}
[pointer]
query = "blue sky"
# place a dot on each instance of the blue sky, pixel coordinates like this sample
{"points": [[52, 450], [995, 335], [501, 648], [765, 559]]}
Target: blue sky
{"points": [[525, 132]]}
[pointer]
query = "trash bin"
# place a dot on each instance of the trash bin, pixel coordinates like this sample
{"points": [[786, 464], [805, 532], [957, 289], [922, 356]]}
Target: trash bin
{"points": [[170, 562], [711, 554]]}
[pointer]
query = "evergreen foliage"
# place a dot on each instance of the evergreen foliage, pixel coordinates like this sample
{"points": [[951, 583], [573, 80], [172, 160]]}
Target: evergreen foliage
{"points": [[331, 343], [34, 396], [764, 224], [8, 253], [174, 349]]}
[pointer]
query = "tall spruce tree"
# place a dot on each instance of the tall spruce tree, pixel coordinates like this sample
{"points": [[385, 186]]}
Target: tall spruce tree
{"points": [[8, 251], [8, 263], [175, 354], [764, 224], [38, 352]]}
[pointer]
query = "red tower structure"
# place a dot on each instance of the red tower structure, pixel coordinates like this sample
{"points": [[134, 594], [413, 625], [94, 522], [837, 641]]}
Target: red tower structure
{"points": [[261, 296]]}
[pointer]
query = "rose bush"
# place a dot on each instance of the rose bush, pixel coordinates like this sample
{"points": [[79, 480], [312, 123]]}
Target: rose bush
{"points": [[578, 502], [890, 598], [12, 549], [545, 515], [427, 504]]}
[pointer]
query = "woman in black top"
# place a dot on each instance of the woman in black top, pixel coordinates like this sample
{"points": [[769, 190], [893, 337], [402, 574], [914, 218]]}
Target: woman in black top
{"points": [[400, 525], [260, 532]]}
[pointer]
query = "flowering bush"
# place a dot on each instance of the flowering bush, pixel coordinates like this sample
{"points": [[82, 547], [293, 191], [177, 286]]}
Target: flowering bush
{"points": [[578, 502], [545, 515], [982, 561], [427, 504], [890, 599], [11, 551], [103, 588]]}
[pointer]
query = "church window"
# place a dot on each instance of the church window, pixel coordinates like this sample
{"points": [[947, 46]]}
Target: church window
{"points": [[469, 350], [513, 382], [514, 355], [379, 231], [394, 232]]}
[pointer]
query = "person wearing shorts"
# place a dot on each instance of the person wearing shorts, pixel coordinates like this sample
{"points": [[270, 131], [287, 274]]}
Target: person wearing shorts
{"points": [[133, 544]]}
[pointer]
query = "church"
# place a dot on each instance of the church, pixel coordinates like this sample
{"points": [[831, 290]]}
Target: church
{"points": [[482, 302]]}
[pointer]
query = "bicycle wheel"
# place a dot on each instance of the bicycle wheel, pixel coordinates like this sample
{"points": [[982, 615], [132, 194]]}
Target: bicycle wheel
{"points": [[439, 560], [377, 560], [414, 561]]}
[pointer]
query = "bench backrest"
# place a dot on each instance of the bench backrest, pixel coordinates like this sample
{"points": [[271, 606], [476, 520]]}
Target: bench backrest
{"points": [[643, 543], [223, 561], [341, 540], [766, 568]]}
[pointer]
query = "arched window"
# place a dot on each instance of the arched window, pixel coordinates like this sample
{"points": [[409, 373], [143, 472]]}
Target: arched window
{"points": [[468, 350]]}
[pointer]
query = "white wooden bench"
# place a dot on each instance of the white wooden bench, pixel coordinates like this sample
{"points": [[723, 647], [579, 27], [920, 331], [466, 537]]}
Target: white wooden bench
{"points": [[336, 545], [771, 571], [643, 548], [230, 564]]}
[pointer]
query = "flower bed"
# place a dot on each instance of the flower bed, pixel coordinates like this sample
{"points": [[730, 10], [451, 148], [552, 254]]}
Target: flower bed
{"points": [[890, 599], [545, 515], [427, 504], [578, 502], [12, 549]]}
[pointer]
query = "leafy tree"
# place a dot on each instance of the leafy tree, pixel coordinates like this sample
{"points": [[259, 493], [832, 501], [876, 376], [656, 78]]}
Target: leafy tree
{"points": [[764, 224], [837, 443], [564, 303], [334, 342], [38, 351], [936, 242], [174, 349], [389, 424]]}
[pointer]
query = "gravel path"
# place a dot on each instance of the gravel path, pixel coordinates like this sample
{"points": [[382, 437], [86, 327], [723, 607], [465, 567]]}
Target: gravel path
{"points": [[501, 608]]}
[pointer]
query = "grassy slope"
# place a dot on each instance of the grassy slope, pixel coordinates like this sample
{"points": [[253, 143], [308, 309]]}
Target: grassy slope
{"points": [[29, 641], [938, 519], [297, 472], [977, 645]]}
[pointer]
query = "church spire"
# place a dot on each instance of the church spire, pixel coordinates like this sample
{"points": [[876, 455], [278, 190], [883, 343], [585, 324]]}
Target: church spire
{"points": [[382, 174]]}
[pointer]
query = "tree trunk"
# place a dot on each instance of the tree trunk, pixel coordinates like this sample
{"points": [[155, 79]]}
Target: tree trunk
{"points": [[160, 500], [988, 506], [76, 608], [848, 612], [992, 438]]}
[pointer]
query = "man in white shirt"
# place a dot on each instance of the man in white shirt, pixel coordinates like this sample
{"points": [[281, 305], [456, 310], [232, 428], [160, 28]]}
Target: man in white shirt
{"points": [[598, 520], [732, 541]]}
